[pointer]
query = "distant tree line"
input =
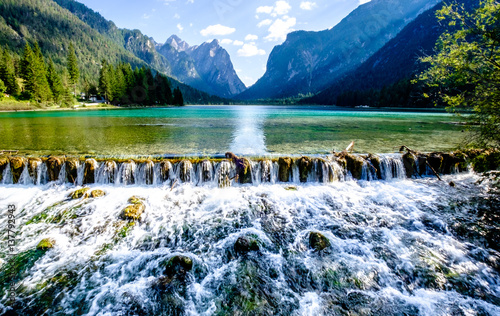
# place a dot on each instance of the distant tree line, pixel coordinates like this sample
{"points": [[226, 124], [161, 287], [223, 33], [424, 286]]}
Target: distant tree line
{"points": [[121, 85]]}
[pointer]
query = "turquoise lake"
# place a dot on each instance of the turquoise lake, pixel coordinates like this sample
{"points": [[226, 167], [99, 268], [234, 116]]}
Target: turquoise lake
{"points": [[213, 130]]}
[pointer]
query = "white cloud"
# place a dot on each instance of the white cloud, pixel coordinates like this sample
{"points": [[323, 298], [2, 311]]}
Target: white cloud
{"points": [[215, 30], [280, 28], [251, 37], [238, 43], [146, 16], [265, 9], [308, 5], [249, 50], [226, 41], [265, 23], [364, 1], [177, 16], [180, 28]]}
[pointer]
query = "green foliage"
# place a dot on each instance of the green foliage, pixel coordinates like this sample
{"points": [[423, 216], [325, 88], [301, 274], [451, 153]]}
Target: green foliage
{"points": [[55, 82], [178, 99], [2, 89], [72, 66], [465, 72], [8, 73]]}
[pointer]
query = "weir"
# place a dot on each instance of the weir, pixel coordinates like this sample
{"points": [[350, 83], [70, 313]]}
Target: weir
{"points": [[226, 172]]}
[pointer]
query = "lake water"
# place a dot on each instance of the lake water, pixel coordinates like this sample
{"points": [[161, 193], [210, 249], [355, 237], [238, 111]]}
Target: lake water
{"points": [[212, 130]]}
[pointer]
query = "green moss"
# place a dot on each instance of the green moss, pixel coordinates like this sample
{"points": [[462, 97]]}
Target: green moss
{"points": [[80, 193], [45, 244], [97, 194], [133, 212], [18, 265], [135, 200], [318, 242], [122, 230]]}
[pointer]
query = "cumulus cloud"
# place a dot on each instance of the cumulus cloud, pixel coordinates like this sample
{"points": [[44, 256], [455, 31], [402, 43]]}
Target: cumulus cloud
{"points": [[265, 23], [217, 30], [280, 28], [238, 43], [280, 8], [179, 27], [249, 50], [226, 41], [265, 9], [251, 37], [308, 5]]}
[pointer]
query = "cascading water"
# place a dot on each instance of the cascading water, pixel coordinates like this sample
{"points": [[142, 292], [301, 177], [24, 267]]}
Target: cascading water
{"points": [[325, 246]]}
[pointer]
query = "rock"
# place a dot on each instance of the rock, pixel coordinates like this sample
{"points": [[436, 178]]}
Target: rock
{"points": [[285, 168], [355, 166], [409, 164], [375, 161], [33, 164], [72, 170], [435, 161], [149, 172], [80, 193], [305, 167], [54, 165], [452, 184], [128, 173], [266, 167], [185, 168], [165, 169], [245, 245], [97, 194], [133, 212], [45, 244], [89, 172], [318, 242], [4, 161], [135, 200], [16, 167], [206, 171], [178, 266], [110, 168], [291, 188]]}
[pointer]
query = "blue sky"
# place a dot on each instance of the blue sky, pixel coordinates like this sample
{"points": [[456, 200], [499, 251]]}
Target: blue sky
{"points": [[248, 30]]}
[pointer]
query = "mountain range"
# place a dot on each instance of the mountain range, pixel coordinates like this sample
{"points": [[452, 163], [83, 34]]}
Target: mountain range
{"points": [[308, 62]]}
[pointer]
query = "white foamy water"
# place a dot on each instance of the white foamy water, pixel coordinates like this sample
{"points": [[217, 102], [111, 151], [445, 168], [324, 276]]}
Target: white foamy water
{"points": [[394, 249]]}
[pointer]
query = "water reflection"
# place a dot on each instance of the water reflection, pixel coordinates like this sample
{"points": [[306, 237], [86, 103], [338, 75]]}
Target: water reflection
{"points": [[248, 137]]}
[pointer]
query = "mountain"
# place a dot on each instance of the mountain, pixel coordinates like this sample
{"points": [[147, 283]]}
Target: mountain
{"points": [[396, 61], [207, 67], [55, 27], [308, 62]]}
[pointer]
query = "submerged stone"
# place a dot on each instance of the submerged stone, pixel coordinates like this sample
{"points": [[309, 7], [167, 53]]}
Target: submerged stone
{"points": [[133, 212], [318, 242], [54, 165], [245, 245], [72, 169], [355, 166], [47, 243], [165, 169], [305, 167], [178, 266], [89, 172], [135, 200], [285, 168], [83, 192], [17, 167]]}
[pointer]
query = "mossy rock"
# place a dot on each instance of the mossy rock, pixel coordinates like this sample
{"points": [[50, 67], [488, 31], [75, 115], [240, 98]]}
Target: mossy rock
{"points": [[285, 168], [318, 241], [111, 167], [355, 166], [185, 168], [149, 167], [90, 170], [305, 167], [136, 200], [33, 164], [178, 266], [18, 265], [165, 169], [80, 193], [246, 244], [4, 162], [54, 165], [133, 212], [244, 169], [486, 161], [72, 169], [16, 167], [45, 244], [97, 194], [375, 161], [292, 188], [409, 164]]}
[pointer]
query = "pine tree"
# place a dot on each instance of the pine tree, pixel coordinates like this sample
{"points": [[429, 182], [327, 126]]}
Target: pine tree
{"points": [[55, 83], [73, 70], [42, 91], [3, 88], [178, 99], [8, 74], [105, 84], [27, 72]]}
